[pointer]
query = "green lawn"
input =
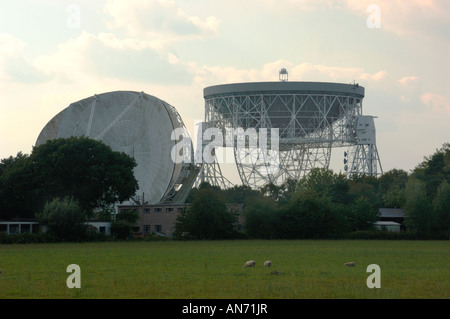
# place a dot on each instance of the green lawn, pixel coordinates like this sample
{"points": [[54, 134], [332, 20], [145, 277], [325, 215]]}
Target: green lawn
{"points": [[213, 269]]}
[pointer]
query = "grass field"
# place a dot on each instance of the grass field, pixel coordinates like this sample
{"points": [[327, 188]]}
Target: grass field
{"points": [[213, 269]]}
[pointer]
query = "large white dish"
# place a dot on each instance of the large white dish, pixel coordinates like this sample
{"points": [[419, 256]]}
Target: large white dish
{"points": [[135, 123]]}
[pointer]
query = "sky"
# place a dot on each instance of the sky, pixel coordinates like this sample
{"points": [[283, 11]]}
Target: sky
{"points": [[55, 52]]}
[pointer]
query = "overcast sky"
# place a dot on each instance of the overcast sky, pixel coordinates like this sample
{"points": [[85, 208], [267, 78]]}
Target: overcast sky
{"points": [[54, 52]]}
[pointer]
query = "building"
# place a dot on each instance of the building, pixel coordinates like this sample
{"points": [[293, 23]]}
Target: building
{"points": [[391, 214], [390, 219], [387, 225], [19, 225], [101, 227], [161, 219]]}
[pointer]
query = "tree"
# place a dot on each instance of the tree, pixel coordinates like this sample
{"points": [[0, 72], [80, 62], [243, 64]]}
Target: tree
{"points": [[129, 216], [434, 169], [82, 168], [281, 194], [441, 205], [260, 217], [340, 191], [239, 194], [121, 230], [206, 218], [16, 187], [394, 177], [308, 215], [318, 180], [394, 197], [391, 187], [362, 214], [202, 185], [326, 184], [65, 220], [271, 190], [419, 214], [79, 167], [366, 186], [104, 214]]}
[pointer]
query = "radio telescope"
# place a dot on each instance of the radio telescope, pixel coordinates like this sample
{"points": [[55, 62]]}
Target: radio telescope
{"points": [[139, 125], [311, 118]]}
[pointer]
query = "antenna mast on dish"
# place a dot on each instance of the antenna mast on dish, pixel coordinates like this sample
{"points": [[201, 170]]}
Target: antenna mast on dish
{"points": [[283, 75]]}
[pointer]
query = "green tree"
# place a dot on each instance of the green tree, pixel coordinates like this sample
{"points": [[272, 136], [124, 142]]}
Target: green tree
{"points": [[326, 184], [393, 178], [339, 191], [362, 214], [83, 168], [121, 230], [122, 227], [394, 197], [16, 187], [260, 217], [64, 218], [273, 191], [281, 193], [79, 167], [207, 217], [105, 214], [319, 180], [368, 187], [434, 169], [392, 187], [308, 215], [441, 205], [239, 194], [202, 185], [419, 215], [129, 216]]}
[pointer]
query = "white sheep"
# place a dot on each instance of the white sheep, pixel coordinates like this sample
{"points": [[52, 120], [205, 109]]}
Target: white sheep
{"points": [[350, 264], [250, 263], [267, 263]]}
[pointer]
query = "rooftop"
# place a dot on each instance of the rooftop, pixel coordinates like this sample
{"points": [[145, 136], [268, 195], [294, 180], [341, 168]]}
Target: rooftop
{"points": [[391, 212]]}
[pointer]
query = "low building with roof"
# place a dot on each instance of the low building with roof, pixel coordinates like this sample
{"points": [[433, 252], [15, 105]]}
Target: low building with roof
{"points": [[390, 219], [387, 225]]}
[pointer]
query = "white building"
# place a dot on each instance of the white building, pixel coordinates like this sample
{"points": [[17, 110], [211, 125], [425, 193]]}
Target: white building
{"points": [[387, 225]]}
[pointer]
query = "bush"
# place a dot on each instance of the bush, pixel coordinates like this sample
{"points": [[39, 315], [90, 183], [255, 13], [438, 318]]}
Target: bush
{"points": [[260, 218], [23, 238], [388, 235], [121, 230], [65, 220], [307, 216], [207, 218]]}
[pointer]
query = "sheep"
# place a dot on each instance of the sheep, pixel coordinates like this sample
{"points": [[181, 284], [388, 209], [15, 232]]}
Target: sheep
{"points": [[275, 272], [350, 264], [250, 263], [267, 263]]}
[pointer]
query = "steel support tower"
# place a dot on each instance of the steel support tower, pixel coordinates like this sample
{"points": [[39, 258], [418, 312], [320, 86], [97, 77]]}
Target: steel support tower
{"points": [[309, 118]]}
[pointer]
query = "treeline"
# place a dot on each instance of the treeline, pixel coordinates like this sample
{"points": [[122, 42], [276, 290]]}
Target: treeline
{"points": [[329, 205], [64, 182]]}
